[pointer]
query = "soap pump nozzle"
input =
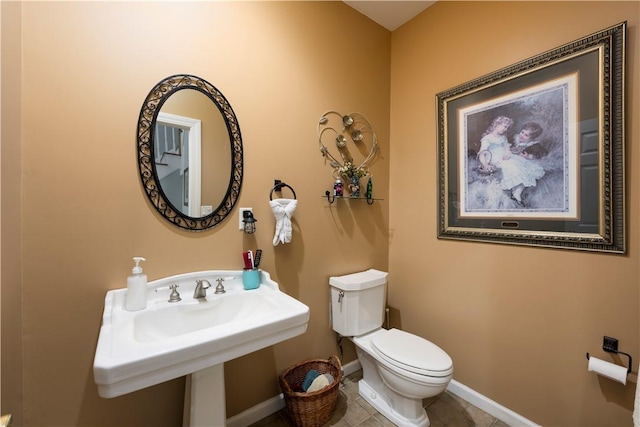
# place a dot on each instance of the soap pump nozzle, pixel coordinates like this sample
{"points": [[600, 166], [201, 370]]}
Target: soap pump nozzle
{"points": [[137, 269]]}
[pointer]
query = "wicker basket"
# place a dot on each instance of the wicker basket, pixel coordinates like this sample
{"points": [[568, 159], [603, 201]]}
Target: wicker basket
{"points": [[311, 409]]}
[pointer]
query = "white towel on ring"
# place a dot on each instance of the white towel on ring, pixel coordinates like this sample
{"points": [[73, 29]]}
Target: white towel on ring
{"points": [[283, 211]]}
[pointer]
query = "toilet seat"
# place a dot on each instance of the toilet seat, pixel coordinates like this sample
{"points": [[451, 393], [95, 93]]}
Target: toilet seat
{"points": [[412, 353]]}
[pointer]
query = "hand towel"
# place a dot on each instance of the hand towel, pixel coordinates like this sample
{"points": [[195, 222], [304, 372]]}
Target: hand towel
{"points": [[308, 379], [283, 211], [319, 383]]}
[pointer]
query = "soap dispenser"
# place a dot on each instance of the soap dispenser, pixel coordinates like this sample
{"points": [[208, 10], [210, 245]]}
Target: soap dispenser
{"points": [[136, 287]]}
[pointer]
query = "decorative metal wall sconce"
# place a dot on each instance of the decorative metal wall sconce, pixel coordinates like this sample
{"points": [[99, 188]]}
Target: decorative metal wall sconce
{"points": [[343, 132], [249, 222]]}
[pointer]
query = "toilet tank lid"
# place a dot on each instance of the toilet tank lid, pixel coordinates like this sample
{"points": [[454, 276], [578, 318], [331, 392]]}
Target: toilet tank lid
{"points": [[359, 281]]}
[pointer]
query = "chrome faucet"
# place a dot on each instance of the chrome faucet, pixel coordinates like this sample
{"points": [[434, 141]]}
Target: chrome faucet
{"points": [[201, 290]]}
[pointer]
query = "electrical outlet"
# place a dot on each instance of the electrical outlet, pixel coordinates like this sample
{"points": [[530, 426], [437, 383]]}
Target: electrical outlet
{"points": [[241, 217], [610, 344]]}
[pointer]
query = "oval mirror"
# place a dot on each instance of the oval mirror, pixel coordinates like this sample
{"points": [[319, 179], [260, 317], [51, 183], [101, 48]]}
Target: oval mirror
{"points": [[189, 152]]}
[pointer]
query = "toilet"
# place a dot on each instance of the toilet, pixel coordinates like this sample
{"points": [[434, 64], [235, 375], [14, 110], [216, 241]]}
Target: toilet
{"points": [[399, 369]]}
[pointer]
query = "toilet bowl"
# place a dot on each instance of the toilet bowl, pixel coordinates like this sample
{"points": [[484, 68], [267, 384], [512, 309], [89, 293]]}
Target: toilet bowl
{"points": [[399, 369]]}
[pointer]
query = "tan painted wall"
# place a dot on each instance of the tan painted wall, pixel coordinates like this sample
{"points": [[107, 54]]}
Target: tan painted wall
{"points": [[87, 67], [11, 262], [517, 321], [515, 336]]}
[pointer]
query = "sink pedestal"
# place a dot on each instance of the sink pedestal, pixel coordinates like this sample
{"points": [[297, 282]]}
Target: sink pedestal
{"points": [[204, 398]]}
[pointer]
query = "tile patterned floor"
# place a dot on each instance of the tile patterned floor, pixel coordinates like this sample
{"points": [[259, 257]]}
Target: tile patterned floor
{"points": [[445, 410]]}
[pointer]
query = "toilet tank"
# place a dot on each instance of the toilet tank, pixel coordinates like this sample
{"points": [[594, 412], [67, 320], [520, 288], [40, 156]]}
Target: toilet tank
{"points": [[357, 302]]}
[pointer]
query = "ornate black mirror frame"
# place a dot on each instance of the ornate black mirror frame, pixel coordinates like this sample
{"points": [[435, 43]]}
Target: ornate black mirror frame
{"points": [[145, 140]]}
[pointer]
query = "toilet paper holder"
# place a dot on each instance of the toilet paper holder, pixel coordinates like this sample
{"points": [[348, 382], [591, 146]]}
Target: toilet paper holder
{"points": [[610, 345]]}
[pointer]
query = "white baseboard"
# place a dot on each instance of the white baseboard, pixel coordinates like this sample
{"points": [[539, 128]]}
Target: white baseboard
{"points": [[505, 415], [276, 403]]}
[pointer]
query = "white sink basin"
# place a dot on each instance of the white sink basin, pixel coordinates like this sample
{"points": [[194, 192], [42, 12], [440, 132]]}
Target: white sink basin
{"points": [[169, 340], [166, 322]]}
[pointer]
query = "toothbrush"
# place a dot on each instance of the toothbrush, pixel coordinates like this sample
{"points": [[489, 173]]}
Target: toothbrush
{"points": [[257, 258], [248, 261], [251, 259]]}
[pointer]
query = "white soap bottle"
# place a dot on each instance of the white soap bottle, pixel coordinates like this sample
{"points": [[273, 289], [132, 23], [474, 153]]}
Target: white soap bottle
{"points": [[136, 288]]}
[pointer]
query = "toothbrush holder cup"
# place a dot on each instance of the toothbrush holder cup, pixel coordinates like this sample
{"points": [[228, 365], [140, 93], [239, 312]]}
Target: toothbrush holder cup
{"points": [[250, 278]]}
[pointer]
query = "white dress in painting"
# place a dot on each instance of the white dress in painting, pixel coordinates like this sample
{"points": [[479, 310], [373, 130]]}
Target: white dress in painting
{"points": [[515, 169]]}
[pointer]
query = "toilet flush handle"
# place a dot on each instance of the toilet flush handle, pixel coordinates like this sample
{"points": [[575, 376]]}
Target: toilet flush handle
{"points": [[340, 296]]}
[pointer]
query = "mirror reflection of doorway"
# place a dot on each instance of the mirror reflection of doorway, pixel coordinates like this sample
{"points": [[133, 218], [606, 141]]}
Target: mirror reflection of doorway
{"points": [[177, 148]]}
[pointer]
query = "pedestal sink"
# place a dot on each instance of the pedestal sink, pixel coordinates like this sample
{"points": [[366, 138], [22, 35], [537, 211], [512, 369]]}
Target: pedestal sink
{"points": [[192, 337]]}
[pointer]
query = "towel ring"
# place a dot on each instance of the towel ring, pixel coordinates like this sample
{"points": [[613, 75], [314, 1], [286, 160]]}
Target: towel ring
{"points": [[278, 187]]}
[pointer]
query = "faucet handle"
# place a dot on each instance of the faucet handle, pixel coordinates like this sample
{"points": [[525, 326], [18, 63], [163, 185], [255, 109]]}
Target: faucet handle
{"points": [[174, 296], [220, 286]]}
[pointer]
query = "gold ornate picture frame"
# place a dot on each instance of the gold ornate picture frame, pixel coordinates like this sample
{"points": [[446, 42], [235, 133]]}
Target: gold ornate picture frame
{"points": [[533, 154]]}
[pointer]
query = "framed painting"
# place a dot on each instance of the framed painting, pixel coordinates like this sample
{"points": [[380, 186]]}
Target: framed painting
{"points": [[533, 154]]}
